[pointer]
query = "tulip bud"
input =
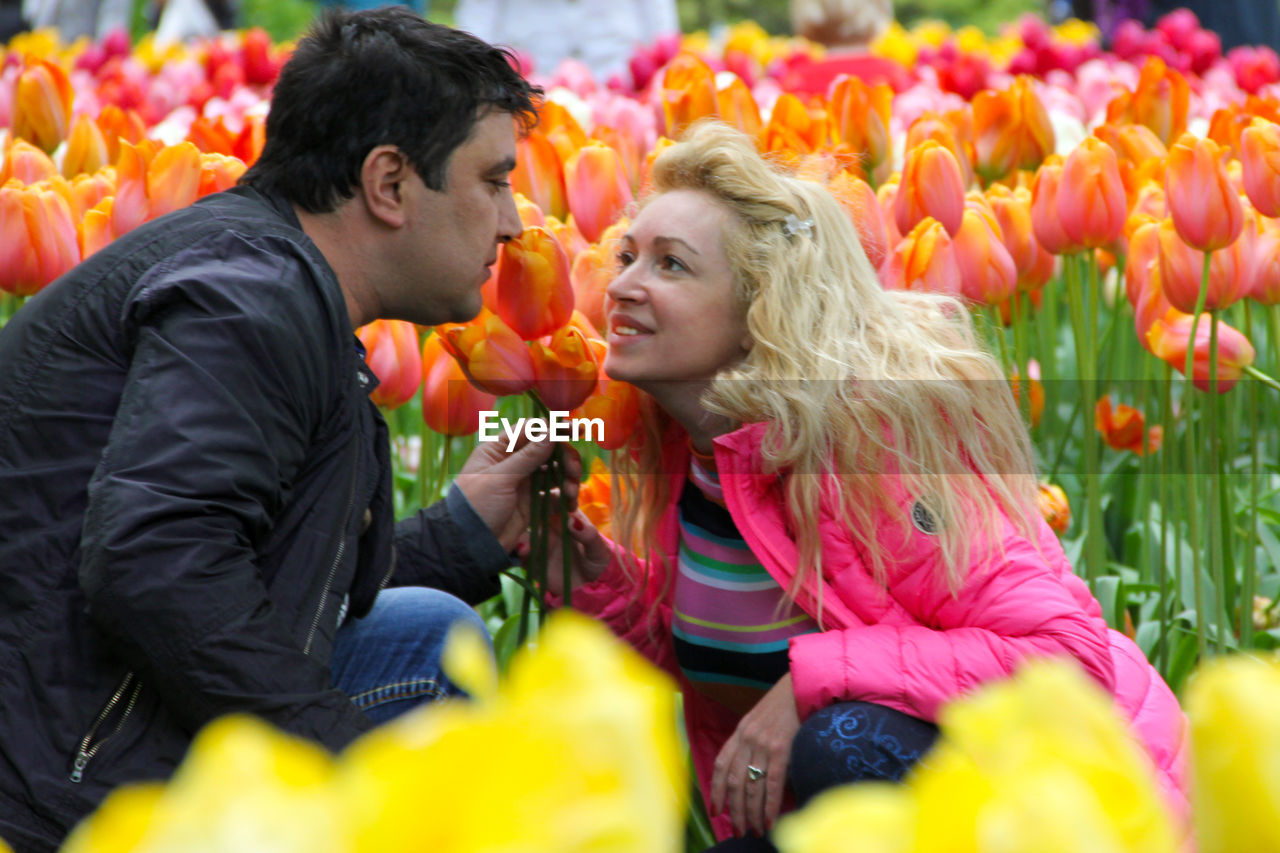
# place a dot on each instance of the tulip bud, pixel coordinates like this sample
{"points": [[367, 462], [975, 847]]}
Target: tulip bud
{"points": [[1046, 220], [37, 238], [859, 115], [492, 356], [987, 273], [391, 351], [1092, 205], [931, 185], [1054, 508], [42, 104], [539, 175], [924, 260], [450, 404], [597, 188], [564, 369], [1169, 337], [1011, 131], [534, 294], [1204, 205], [1260, 160]]}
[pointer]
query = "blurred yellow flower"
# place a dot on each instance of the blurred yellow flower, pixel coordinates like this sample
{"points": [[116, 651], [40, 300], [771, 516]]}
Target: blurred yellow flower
{"points": [[896, 43], [576, 753], [1039, 762], [1078, 32], [1235, 738]]}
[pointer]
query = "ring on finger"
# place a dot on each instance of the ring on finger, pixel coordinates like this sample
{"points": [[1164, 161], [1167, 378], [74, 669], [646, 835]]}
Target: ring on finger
{"points": [[754, 774]]}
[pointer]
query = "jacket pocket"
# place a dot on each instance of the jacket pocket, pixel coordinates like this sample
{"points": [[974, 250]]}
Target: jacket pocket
{"points": [[107, 725]]}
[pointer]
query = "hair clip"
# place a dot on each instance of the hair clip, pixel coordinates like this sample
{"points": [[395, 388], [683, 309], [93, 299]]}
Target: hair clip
{"points": [[791, 226]]}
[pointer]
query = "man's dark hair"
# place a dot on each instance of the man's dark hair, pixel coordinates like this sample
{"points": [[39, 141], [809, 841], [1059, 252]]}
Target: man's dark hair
{"points": [[379, 77]]}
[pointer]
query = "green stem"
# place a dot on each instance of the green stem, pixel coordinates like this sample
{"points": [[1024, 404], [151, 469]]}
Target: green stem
{"points": [[1262, 377], [1020, 360], [1216, 543], [1166, 465], [1248, 582], [1094, 543], [426, 456], [1193, 515]]}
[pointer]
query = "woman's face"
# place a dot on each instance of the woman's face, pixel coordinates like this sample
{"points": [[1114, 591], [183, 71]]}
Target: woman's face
{"points": [[672, 311]]}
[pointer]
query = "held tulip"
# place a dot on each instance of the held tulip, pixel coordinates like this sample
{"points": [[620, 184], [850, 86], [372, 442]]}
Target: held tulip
{"points": [[924, 260], [1260, 162], [450, 404], [931, 186], [1124, 427], [859, 115], [1092, 205], [42, 104], [617, 404], [1169, 337], [1204, 205], [987, 273], [564, 369], [493, 357], [534, 293], [1011, 130], [597, 188], [391, 351]]}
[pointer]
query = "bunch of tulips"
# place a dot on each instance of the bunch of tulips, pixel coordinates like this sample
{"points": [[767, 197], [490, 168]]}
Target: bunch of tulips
{"points": [[1109, 217]]}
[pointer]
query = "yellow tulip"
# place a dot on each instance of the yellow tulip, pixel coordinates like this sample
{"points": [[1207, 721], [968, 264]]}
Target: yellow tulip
{"points": [[1236, 754]]}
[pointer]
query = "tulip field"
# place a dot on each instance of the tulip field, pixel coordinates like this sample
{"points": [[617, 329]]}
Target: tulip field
{"points": [[1112, 219]]}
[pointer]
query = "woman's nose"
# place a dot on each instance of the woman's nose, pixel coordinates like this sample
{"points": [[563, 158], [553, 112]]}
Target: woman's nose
{"points": [[626, 286]]}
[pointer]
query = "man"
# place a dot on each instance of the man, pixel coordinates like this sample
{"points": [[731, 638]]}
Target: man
{"points": [[195, 499]]}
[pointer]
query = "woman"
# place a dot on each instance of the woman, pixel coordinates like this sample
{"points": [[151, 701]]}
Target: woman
{"points": [[826, 529]]}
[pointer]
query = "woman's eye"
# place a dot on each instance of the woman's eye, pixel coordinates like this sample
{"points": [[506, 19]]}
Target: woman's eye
{"points": [[625, 259], [673, 264]]}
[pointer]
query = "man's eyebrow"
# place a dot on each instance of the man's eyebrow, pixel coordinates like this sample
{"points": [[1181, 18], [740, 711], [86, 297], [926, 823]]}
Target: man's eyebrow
{"points": [[503, 167]]}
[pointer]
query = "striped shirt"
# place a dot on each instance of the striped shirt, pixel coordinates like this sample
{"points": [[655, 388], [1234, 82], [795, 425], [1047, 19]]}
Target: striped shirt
{"points": [[731, 621]]}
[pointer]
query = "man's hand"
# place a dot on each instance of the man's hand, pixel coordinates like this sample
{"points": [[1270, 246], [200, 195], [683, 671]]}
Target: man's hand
{"points": [[496, 484], [762, 741]]}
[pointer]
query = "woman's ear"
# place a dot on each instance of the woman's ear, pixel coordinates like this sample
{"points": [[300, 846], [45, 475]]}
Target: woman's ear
{"points": [[382, 184]]}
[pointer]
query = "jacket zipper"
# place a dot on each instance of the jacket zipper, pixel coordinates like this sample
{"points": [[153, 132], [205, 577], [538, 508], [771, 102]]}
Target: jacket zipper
{"points": [[88, 749], [333, 566]]}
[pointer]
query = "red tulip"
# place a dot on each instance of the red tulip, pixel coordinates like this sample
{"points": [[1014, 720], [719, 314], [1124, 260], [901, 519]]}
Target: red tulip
{"points": [[1124, 428], [391, 351], [534, 293], [450, 404]]}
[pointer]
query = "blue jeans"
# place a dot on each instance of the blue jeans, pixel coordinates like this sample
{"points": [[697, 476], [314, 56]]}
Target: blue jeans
{"points": [[389, 661], [844, 743]]}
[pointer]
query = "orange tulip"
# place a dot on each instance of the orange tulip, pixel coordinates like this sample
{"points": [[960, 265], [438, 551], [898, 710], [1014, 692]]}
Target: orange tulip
{"points": [[211, 137], [1182, 270], [1260, 161], [595, 496], [1204, 205], [95, 228], [593, 270], [571, 239], [1012, 209], [860, 203], [987, 272], [118, 124], [564, 369], [688, 93], [534, 293], [561, 129], [1054, 508], [26, 163], [1046, 220], [450, 404], [1148, 201], [391, 351], [87, 191], [738, 107], [42, 104], [492, 356], [661, 145], [887, 195], [37, 238], [597, 188], [1124, 427], [1011, 131], [1092, 205], [931, 185], [1035, 400], [173, 180], [945, 133], [218, 172], [1142, 257], [793, 128], [1141, 155], [617, 404], [1159, 102], [539, 175], [530, 214], [130, 207], [629, 148], [1169, 337], [924, 260], [859, 115], [1266, 280], [86, 148]]}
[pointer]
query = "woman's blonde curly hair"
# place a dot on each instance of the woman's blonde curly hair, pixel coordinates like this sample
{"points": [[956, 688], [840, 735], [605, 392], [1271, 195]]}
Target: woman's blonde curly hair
{"points": [[855, 382]]}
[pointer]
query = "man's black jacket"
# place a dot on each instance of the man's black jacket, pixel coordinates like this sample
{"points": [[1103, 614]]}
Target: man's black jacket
{"points": [[187, 454]]}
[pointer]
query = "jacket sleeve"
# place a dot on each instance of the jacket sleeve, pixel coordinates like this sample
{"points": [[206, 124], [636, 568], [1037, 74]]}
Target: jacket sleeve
{"points": [[1013, 604], [448, 547], [217, 414]]}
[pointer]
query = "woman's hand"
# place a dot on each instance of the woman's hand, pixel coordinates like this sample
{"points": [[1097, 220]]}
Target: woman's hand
{"points": [[589, 551], [761, 741]]}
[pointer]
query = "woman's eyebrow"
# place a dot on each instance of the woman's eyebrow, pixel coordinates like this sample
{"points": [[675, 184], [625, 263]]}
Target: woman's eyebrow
{"points": [[669, 240]]}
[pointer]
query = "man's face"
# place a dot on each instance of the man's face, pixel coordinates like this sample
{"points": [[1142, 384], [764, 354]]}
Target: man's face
{"points": [[453, 235]]}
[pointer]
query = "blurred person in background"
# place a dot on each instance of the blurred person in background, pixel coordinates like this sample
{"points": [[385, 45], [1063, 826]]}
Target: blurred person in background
{"points": [[76, 18], [846, 28], [602, 34]]}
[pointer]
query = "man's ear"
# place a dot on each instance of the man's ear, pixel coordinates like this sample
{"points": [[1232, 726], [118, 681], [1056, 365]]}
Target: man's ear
{"points": [[382, 184]]}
